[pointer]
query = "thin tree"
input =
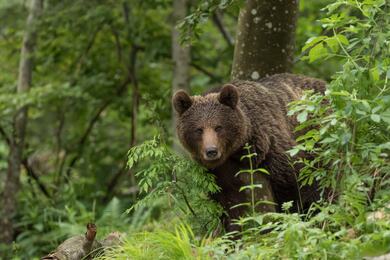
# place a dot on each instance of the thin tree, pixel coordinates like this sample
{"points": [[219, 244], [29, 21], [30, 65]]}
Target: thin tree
{"points": [[264, 46], [181, 55], [16, 144]]}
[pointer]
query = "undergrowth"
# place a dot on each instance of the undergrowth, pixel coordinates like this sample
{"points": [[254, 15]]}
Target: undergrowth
{"points": [[347, 132]]}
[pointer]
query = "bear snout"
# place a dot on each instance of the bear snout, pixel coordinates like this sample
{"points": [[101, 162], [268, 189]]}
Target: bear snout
{"points": [[212, 153], [210, 145]]}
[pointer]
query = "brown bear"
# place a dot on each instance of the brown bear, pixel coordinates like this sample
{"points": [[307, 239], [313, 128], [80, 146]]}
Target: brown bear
{"points": [[215, 126]]}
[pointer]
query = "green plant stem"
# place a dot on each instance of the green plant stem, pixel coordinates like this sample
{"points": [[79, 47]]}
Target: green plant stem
{"points": [[252, 183]]}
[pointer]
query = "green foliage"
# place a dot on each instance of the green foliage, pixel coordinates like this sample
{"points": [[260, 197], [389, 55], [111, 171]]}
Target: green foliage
{"points": [[349, 124], [79, 108], [190, 26], [288, 237], [246, 222], [62, 221], [183, 182], [308, 27], [162, 244], [346, 133]]}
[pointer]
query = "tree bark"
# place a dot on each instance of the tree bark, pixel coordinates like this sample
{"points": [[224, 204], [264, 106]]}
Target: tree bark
{"points": [[181, 56], [264, 46], [265, 39], [11, 187]]}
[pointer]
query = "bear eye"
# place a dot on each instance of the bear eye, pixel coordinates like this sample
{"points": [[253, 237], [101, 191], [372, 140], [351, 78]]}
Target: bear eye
{"points": [[218, 128], [199, 131]]}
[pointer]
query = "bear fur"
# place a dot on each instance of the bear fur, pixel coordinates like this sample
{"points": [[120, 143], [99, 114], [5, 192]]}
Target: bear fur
{"points": [[215, 126]]}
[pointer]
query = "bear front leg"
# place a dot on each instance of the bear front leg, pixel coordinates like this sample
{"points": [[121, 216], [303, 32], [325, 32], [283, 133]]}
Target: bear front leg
{"points": [[229, 214]]}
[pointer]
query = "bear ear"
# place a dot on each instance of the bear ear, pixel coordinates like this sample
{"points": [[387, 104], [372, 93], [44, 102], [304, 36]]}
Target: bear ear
{"points": [[229, 96], [181, 101]]}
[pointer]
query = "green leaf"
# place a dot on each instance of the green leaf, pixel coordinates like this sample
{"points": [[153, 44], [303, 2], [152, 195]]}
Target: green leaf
{"points": [[375, 74], [265, 202], [313, 41], [287, 205], [333, 44], [293, 151], [342, 93], [317, 52], [250, 187], [302, 117], [328, 140], [261, 170], [386, 116], [375, 117], [376, 109], [243, 171], [342, 39], [241, 205]]}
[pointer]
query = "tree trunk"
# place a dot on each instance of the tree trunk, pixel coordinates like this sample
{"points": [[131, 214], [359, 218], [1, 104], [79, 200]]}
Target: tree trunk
{"points": [[264, 46], [11, 187], [265, 39], [181, 56]]}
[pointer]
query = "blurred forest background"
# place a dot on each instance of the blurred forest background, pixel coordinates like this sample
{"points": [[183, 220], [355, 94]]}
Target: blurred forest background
{"points": [[82, 82]]}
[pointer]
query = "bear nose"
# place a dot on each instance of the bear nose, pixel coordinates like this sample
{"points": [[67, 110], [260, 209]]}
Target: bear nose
{"points": [[211, 152]]}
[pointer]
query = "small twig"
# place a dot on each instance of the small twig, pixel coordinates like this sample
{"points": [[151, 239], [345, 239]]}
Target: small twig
{"points": [[113, 182], [5, 136], [30, 171], [225, 33], [205, 71], [81, 58], [185, 198], [58, 135], [345, 51], [117, 43], [377, 180]]}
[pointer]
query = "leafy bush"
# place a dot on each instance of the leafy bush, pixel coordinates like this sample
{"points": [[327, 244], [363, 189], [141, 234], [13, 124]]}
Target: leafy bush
{"points": [[350, 123], [347, 132], [183, 183]]}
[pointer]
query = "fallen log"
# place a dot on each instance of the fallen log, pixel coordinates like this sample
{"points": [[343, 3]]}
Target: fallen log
{"points": [[84, 246]]}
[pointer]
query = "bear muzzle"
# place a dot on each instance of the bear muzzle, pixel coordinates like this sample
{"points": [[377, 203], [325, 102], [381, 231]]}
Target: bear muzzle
{"points": [[210, 151], [211, 154]]}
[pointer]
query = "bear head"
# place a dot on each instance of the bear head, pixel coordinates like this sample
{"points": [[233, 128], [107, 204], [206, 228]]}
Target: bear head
{"points": [[211, 127]]}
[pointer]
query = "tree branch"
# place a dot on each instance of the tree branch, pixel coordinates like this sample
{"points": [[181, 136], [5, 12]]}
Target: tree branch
{"points": [[131, 70], [91, 124], [135, 104], [205, 71], [185, 198], [5, 136], [80, 59], [32, 174], [118, 44], [225, 33], [113, 182], [78, 62], [135, 94]]}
